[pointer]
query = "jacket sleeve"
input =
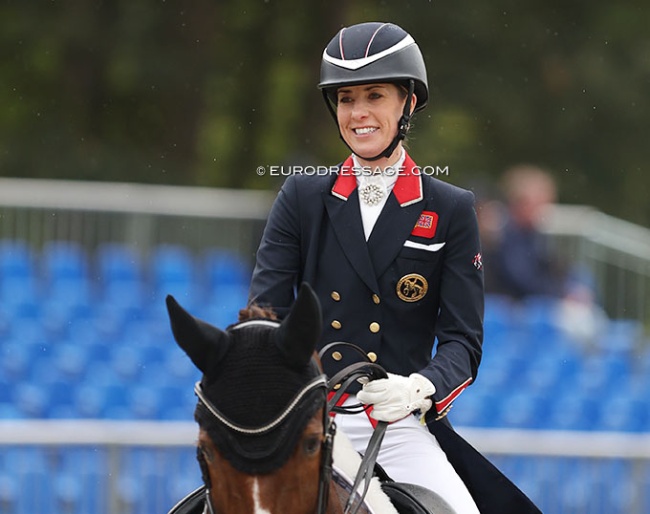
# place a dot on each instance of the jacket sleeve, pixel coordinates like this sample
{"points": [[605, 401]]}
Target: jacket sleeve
{"points": [[277, 267], [459, 330]]}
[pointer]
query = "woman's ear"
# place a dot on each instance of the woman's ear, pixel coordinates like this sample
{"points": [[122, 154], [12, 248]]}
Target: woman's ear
{"points": [[414, 102]]}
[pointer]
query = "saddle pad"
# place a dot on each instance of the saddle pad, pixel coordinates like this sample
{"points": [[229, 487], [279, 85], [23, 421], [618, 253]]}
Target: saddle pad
{"points": [[193, 503], [414, 499]]}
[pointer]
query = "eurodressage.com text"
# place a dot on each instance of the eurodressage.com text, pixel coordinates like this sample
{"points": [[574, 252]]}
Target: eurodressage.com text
{"points": [[283, 171]]}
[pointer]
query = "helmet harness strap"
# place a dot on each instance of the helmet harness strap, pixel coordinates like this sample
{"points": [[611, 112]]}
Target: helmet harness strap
{"points": [[402, 125]]}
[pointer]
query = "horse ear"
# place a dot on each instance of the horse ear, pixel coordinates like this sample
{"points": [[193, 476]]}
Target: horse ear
{"points": [[204, 344], [301, 329]]}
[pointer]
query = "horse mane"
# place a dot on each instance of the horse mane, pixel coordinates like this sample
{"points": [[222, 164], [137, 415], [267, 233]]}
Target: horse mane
{"points": [[255, 311]]}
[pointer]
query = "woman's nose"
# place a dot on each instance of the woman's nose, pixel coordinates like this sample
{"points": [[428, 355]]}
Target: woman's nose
{"points": [[359, 110]]}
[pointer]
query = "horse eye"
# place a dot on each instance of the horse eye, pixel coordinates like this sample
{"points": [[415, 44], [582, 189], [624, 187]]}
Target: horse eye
{"points": [[311, 445]]}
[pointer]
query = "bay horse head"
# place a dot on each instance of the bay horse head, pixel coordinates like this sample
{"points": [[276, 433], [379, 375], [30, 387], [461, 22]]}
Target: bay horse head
{"points": [[263, 427]]}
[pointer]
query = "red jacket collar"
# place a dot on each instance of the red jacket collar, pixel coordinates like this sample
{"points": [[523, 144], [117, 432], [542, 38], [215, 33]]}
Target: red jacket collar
{"points": [[407, 189]]}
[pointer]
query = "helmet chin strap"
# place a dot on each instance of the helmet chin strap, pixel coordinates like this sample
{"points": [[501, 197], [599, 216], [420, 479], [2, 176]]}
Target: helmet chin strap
{"points": [[402, 126]]}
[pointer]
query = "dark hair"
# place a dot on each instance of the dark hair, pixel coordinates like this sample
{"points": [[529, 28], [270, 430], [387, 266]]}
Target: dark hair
{"points": [[254, 311]]}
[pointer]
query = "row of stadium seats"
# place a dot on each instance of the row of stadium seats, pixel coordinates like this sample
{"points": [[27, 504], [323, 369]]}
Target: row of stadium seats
{"points": [[111, 355], [86, 335], [74, 480]]}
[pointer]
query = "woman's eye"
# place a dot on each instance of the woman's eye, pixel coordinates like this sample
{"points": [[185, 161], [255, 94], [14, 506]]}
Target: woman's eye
{"points": [[345, 100]]}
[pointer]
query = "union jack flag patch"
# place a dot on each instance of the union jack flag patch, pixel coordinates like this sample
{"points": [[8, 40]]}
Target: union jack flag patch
{"points": [[426, 225], [478, 261]]}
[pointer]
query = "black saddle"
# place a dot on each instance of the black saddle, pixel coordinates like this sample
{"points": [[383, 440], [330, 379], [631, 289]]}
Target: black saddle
{"points": [[407, 499]]}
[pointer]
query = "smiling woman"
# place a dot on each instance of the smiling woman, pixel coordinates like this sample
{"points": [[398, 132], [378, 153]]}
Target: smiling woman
{"points": [[366, 117], [391, 254]]}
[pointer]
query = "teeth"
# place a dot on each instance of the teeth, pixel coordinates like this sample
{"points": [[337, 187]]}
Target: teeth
{"points": [[364, 130]]}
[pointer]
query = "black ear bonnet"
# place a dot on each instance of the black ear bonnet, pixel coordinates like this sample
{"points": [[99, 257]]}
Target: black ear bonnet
{"points": [[252, 372]]}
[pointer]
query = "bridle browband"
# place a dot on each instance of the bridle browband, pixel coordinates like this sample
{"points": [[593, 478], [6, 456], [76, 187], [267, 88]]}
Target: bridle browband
{"points": [[316, 383]]}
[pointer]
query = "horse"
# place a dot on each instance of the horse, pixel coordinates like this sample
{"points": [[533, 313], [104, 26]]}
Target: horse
{"points": [[266, 437]]}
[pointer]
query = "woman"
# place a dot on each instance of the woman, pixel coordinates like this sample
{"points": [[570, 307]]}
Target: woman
{"points": [[394, 257]]}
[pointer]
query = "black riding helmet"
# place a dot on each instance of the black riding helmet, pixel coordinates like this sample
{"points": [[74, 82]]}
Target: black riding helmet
{"points": [[375, 52]]}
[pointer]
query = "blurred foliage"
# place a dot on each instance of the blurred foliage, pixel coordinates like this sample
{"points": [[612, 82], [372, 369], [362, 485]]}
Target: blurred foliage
{"points": [[203, 92]]}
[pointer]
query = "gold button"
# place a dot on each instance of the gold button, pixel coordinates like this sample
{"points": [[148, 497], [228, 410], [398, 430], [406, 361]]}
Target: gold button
{"points": [[337, 386], [374, 327], [335, 296], [376, 299], [336, 324], [372, 356], [337, 356]]}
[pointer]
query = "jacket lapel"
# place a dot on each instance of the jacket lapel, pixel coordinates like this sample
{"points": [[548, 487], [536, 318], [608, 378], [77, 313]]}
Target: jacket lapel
{"points": [[397, 218], [395, 223], [393, 227], [345, 217]]}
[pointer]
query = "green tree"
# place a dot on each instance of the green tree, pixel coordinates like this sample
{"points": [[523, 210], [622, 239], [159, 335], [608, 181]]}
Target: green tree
{"points": [[203, 92]]}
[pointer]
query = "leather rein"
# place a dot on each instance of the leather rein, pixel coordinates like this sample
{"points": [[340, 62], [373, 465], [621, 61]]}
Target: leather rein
{"points": [[337, 385]]}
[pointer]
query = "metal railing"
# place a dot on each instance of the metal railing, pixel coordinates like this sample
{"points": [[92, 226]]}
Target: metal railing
{"points": [[115, 467], [140, 215], [615, 252]]}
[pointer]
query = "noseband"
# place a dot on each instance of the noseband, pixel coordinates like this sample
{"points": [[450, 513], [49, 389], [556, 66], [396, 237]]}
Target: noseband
{"points": [[329, 430]]}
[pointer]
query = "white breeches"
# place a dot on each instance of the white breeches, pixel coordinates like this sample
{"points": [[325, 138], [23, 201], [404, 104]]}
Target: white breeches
{"points": [[411, 454]]}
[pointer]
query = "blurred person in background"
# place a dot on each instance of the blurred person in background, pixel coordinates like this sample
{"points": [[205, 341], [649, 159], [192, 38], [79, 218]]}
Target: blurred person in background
{"points": [[520, 261]]}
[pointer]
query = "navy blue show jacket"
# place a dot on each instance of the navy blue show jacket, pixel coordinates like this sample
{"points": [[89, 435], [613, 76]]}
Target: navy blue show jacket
{"points": [[418, 279], [417, 282]]}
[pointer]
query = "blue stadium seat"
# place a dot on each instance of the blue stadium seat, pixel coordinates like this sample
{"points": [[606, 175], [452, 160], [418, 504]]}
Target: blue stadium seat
{"points": [[123, 284], [92, 401], [31, 400], [539, 315], [475, 408], [172, 269], [523, 410], [125, 362], [223, 307], [144, 403], [599, 372], [64, 260], [622, 337], [119, 262], [224, 268], [71, 361], [14, 360], [20, 296], [624, 413], [573, 411], [551, 373], [17, 259]]}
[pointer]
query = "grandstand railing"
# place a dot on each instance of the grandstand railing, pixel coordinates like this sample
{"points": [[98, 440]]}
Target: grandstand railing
{"points": [[615, 252], [573, 472], [142, 215]]}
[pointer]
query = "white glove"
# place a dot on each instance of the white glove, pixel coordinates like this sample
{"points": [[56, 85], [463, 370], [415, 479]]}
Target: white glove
{"points": [[396, 397]]}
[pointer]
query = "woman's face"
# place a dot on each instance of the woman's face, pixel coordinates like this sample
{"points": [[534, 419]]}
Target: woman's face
{"points": [[367, 116]]}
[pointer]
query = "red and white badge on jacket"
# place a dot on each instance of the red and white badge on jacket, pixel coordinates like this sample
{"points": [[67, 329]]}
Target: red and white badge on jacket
{"points": [[426, 225]]}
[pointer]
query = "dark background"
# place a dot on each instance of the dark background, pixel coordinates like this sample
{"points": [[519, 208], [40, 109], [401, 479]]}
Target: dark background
{"points": [[203, 92]]}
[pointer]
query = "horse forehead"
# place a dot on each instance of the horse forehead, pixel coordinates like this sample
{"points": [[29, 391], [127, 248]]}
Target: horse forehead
{"points": [[253, 355]]}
